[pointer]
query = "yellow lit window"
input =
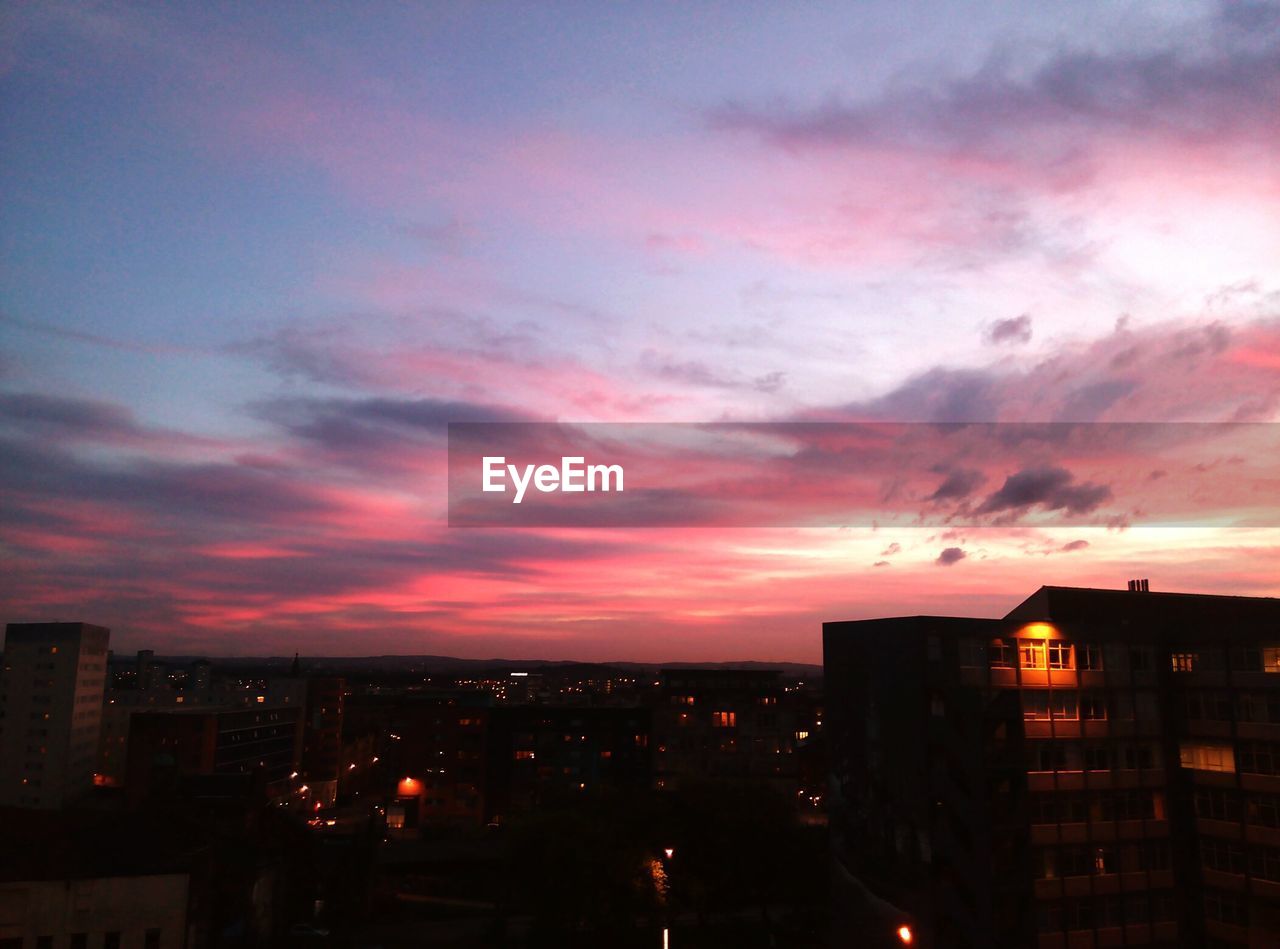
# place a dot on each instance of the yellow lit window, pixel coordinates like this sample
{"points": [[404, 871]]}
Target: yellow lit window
{"points": [[1061, 655], [1205, 757], [1031, 653], [724, 719], [1271, 658]]}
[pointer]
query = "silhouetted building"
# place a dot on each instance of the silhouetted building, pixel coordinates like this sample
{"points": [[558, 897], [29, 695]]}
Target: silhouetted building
{"points": [[726, 723], [435, 740], [322, 737], [1096, 768], [167, 746], [50, 711], [540, 752]]}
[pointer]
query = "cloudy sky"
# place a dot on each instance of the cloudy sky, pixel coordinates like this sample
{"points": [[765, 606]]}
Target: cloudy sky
{"points": [[253, 260]]}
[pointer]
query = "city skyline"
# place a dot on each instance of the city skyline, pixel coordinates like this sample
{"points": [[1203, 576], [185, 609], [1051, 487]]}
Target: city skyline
{"points": [[254, 263]]}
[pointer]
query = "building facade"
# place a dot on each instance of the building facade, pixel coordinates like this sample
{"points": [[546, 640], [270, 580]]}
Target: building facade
{"points": [[51, 690], [1096, 768]]}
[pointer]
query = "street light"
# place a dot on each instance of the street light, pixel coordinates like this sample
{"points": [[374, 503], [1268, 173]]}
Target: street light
{"points": [[905, 935], [670, 852]]}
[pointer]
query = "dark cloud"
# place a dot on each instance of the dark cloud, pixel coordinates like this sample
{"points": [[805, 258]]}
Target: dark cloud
{"points": [[1088, 402], [1016, 329], [696, 373], [58, 415], [894, 548], [1074, 545], [949, 556], [959, 483], [881, 563], [939, 395], [1194, 89], [1208, 340], [1052, 488], [376, 432]]}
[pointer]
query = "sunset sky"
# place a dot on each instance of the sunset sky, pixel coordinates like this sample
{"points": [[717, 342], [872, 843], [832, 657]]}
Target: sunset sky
{"points": [[253, 259]]}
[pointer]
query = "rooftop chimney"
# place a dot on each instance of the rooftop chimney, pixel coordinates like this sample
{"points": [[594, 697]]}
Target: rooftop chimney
{"points": [[1140, 586]]}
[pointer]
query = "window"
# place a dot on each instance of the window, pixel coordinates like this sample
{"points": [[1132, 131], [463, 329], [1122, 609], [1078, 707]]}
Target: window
{"points": [[1140, 659], [1260, 757], [724, 719], [1046, 756], [1226, 908], [1208, 706], [1104, 860], [1076, 861], [525, 754], [1035, 705], [1263, 809], [151, 940], [1061, 655], [1217, 804], [1097, 758], [973, 654], [1259, 707], [111, 940], [1091, 657], [1046, 864], [682, 700], [1066, 705], [1049, 917], [1093, 706], [1031, 653], [1002, 654], [1205, 757], [1264, 863], [1137, 804], [1183, 662], [1246, 659], [79, 941]]}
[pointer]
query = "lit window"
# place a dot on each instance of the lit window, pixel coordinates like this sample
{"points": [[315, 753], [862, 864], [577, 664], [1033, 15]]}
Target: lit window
{"points": [[524, 755], [1061, 655], [1204, 757], [1183, 661], [1031, 653], [1271, 658], [724, 719]]}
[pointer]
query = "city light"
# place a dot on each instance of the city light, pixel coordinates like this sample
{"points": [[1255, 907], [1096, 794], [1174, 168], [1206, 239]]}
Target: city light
{"points": [[670, 852], [905, 935]]}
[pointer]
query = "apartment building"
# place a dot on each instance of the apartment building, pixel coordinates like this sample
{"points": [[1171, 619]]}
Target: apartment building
{"points": [[51, 688], [1096, 768]]}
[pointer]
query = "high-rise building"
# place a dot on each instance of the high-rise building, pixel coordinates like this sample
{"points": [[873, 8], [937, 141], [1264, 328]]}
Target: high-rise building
{"points": [[1097, 768], [50, 711], [322, 736]]}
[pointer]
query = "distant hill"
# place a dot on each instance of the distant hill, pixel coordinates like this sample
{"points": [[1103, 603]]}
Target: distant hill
{"points": [[452, 665]]}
